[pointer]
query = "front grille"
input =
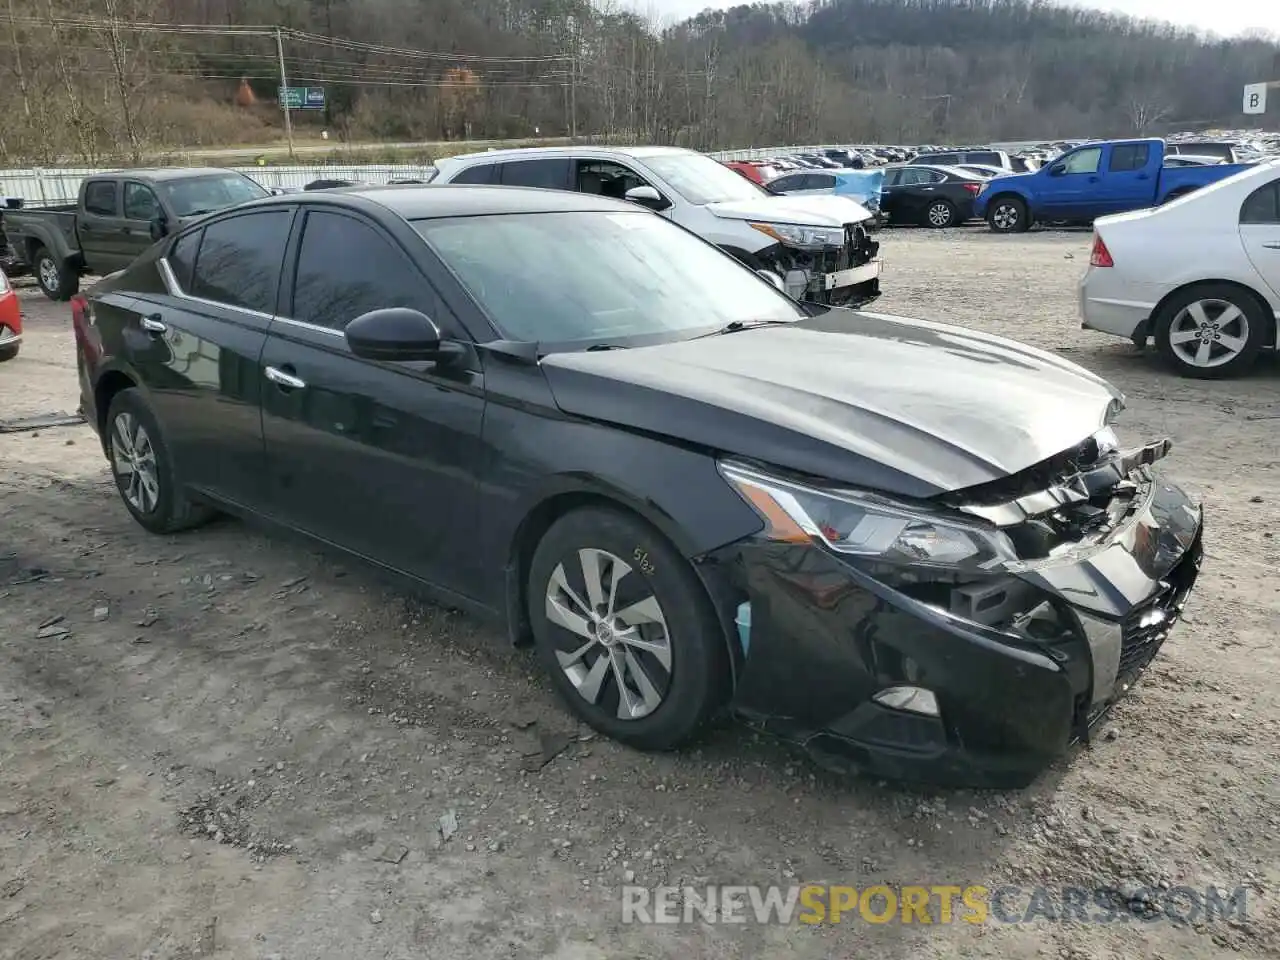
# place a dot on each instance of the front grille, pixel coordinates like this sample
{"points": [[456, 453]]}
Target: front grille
{"points": [[1145, 629]]}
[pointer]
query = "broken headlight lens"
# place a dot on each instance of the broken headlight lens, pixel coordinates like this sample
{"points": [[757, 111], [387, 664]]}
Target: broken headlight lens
{"points": [[869, 525]]}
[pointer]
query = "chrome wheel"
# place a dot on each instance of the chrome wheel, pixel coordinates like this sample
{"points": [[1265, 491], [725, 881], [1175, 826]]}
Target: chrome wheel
{"points": [[134, 461], [612, 638], [48, 271], [1209, 333], [1005, 216], [940, 215]]}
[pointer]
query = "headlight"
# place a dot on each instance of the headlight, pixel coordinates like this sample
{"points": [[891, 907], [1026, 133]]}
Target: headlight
{"points": [[804, 238], [869, 525]]}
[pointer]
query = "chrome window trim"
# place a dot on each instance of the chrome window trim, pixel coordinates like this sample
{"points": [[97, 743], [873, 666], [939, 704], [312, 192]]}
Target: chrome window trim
{"points": [[172, 285]]}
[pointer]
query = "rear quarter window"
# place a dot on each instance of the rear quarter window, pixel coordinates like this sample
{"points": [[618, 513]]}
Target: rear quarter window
{"points": [[101, 198], [480, 173]]}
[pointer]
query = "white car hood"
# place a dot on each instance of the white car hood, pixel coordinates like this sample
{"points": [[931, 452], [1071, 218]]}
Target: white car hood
{"points": [[820, 211]]}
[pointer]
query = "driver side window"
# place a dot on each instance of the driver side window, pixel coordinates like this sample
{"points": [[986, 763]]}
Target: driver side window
{"points": [[1084, 161], [140, 202]]}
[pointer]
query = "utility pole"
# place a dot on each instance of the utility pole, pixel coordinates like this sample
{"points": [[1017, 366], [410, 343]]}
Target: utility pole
{"points": [[573, 93], [284, 93]]}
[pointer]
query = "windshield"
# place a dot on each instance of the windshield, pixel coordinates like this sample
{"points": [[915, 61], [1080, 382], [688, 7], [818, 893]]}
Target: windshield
{"points": [[206, 194], [699, 179], [599, 277]]}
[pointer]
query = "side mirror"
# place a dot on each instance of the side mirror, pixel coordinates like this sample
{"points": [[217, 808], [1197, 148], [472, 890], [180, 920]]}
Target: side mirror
{"points": [[1057, 169], [398, 334], [159, 228], [647, 196], [773, 278]]}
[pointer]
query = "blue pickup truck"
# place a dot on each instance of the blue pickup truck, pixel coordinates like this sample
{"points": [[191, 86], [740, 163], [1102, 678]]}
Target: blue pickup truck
{"points": [[1091, 181]]}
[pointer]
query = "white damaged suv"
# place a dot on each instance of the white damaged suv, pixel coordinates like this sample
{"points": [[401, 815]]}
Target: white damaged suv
{"points": [[815, 248]]}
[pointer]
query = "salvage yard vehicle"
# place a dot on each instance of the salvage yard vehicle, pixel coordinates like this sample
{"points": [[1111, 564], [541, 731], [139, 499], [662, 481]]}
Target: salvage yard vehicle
{"points": [[686, 489], [862, 186], [117, 216], [10, 320], [1200, 276], [818, 248], [930, 195], [1091, 181]]}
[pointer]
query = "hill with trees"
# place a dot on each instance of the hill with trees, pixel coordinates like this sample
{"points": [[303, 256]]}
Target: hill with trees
{"points": [[119, 78]]}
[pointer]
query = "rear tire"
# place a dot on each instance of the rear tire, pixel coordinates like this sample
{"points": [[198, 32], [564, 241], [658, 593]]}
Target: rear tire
{"points": [[1008, 215], [940, 215], [58, 280], [8, 353], [625, 629], [1211, 331], [144, 469]]}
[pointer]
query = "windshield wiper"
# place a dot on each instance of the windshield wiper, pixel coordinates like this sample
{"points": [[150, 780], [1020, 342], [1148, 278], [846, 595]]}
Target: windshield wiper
{"points": [[737, 326]]}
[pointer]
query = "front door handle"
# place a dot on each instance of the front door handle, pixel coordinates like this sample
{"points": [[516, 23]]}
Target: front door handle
{"points": [[284, 379], [1272, 246], [153, 324]]}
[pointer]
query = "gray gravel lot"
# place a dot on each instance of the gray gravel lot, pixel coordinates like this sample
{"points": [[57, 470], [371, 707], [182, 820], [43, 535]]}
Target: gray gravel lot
{"points": [[227, 745]]}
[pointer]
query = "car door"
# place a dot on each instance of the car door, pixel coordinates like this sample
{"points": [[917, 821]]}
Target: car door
{"points": [[914, 192], [198, 343], [141, 206], [1128, 183], [1070, 187], [890, 193], [378, 458], [608, 178], [100, 225], [1260, 234]]}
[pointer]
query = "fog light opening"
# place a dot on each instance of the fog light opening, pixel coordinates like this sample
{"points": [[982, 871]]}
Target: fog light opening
{"points": [[911, 699]]}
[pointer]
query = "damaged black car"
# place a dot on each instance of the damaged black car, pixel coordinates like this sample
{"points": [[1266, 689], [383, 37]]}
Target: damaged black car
{"points": [[916, 550]]}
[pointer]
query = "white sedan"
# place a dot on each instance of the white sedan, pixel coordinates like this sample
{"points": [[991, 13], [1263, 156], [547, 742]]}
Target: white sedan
{"points": [[1199, 276]]}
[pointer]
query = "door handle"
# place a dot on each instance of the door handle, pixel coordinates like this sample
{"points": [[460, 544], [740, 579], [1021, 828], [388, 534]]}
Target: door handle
{"points": [[153, 324], [1272, 246], [284, 379], [1093, 179], [1143, 176]]}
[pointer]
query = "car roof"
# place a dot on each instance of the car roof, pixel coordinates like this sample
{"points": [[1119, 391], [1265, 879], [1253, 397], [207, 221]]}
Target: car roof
{"points": [[166, 173], [428, 202], [531, 153]]}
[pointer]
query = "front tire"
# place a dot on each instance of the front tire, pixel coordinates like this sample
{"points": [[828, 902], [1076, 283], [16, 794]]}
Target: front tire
{"points": [[626, 630], [940, 215], [144, 470], [8, 353], [1008, 215], [57, 279], [1210, 332]]}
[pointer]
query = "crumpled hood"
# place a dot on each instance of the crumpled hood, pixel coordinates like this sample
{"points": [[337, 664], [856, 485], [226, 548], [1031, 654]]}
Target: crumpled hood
{"points": [[820, 211], [886, 403]]}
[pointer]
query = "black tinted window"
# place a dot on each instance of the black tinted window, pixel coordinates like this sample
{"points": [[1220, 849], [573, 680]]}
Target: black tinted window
{"points": [[1129, 156], [182, 257], [140, 202], [100, 198], [239, 260], [551, 174], [984, 156], [347, 268], [483, 173], [1263, 205]]}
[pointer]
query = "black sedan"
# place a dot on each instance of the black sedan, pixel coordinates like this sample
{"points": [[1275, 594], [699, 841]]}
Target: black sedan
{"points": [[913, 548], [932, 196]]}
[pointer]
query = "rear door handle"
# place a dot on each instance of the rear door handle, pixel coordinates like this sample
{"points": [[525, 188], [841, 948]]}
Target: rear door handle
{"points": [[153, 324], [284, 379]]}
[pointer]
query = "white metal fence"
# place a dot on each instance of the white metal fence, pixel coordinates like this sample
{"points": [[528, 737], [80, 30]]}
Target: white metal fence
{"points": [[38, 186]]}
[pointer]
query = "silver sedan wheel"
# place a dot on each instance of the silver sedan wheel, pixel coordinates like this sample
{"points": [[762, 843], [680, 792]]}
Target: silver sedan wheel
{"points": [[48, 273], [134, 460], [618, 650], [940, 215], [1209, 333], [1005, 216]]}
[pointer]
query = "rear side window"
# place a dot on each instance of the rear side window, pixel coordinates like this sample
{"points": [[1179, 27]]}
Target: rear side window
{"points": [[239, 260], [551, 174], [1263, 205], [821, 181], [985, 156], [347, 268], [942, 158], [182, 257], [101, 198], [481, 173], [1126, 157]]}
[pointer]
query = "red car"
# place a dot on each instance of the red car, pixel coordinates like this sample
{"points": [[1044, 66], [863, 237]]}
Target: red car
{"points": [[10, 320]]}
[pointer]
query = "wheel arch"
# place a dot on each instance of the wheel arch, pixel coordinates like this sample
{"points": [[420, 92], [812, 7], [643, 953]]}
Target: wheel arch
{"points": [[1264, 305], [105, 388], [574, 493]]}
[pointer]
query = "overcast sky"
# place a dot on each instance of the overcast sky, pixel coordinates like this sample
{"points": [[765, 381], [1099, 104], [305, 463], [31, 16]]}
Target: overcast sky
{"points": [[1225, 17]]}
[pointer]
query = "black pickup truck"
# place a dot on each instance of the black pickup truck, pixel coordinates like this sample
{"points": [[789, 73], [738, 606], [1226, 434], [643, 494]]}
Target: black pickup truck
{"points": [[116, 217]]}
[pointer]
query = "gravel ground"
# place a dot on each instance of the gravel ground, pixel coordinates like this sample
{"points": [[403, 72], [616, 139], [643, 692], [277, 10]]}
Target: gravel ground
{"points": [[227, 745]]}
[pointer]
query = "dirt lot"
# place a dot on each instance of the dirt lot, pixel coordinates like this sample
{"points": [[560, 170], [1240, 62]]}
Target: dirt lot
{"points": [[225, 745]]}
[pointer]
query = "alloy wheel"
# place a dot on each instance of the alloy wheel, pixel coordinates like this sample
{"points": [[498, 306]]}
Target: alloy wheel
{"points": [[134, 459], [612, 643], [1209, 333], [48, 273], [1005, 216], [940, 215]]}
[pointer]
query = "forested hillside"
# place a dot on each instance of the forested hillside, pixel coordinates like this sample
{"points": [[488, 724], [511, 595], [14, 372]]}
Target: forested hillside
{"points": [[117, 78]]}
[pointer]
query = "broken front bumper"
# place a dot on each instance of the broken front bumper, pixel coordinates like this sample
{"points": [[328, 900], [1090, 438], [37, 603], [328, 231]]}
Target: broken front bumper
{"points": [[826, 637]]}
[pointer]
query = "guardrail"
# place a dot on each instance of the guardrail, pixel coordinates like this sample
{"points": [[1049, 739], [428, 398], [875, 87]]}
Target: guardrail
{"points": [[41, 186]]}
